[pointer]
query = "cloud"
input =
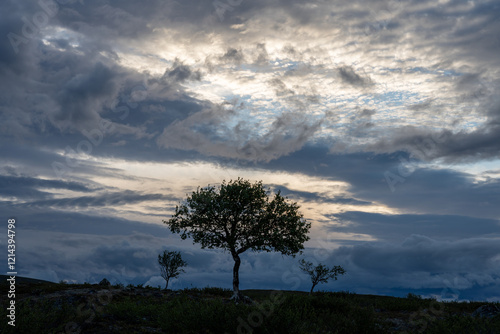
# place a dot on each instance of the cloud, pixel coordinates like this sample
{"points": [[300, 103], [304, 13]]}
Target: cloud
{"points": [[89, 258], [367, 113], [427, 189], [180, 73], [397, 227], [421, 253], [467, 267], [280, 87], [82, 96], [232, 56], [201, 132], [420, 106], [348, 76], [343, 91], [86, 59], [102, 200], [28, 187], [263, 56], [462, 146], [315, 196]]}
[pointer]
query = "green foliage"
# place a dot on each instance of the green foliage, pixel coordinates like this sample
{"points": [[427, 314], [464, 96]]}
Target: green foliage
{"points": [[208, 310], [104, 282], [288, 314], [464, 324], [413, 296], [208, 291], [217, 291], [239, 216], [39, 316], [320, 273], [171, 264]]}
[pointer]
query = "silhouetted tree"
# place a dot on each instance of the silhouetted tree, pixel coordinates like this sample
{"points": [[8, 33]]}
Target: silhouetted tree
{"points": [[171, 264], [320, 273], [238, 216]]}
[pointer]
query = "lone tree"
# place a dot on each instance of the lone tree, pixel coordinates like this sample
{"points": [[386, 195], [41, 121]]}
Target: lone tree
{"points": [[238, 216], [320, 273], [171, 264]]}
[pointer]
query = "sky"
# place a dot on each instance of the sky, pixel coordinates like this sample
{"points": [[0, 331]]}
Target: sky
{"points": [[381, 119]]}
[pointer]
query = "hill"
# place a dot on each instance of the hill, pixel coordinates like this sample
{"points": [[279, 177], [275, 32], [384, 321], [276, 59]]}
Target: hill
{"points": [[46, 307], [25, 280]]}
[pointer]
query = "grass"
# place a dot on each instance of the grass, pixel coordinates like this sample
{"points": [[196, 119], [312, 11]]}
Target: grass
{"points": [[282, 314], [86, 308]]}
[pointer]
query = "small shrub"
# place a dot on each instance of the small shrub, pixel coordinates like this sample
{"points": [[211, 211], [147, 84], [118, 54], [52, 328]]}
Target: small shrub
{"points": [[413, 296], [104, 282], [217, 291]]}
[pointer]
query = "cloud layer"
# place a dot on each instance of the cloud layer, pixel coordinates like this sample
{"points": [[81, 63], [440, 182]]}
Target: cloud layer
{"points": [[381, 119]]}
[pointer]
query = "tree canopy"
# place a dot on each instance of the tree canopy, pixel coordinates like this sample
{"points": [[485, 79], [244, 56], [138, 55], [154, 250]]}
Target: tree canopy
{"points": [[171, 264], [238, 216], [320, 273]]}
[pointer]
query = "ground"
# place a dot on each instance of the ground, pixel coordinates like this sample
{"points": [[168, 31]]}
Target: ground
{"points": [[44, 307]]}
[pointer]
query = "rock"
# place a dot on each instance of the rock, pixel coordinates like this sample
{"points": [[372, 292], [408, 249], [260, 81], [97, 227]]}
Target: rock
{"points": [[397, 324], [242, 299], [487, 311]]}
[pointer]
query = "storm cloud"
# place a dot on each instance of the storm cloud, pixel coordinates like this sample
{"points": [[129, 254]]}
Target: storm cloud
{"points": [[380, 119]]}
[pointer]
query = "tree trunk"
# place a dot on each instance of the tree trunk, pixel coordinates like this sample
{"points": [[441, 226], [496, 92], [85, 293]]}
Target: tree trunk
{"points": [[166, 285], [312, 288], [236, 278]]}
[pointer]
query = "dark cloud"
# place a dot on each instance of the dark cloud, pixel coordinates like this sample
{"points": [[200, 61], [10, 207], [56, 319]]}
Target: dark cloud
{"points": [[394, 228], [89, 258], [13, 41], [83, 96], [367, 113], [460, 269], [423, 106], [421, 253], [263, 56], [316, 197], [101, 200], [28, 187], [349, 76], [434, 191], [180, 73], [55, 220], [302, 69], [200, 132], [232, 55], [280, 87], [462, 146]]}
